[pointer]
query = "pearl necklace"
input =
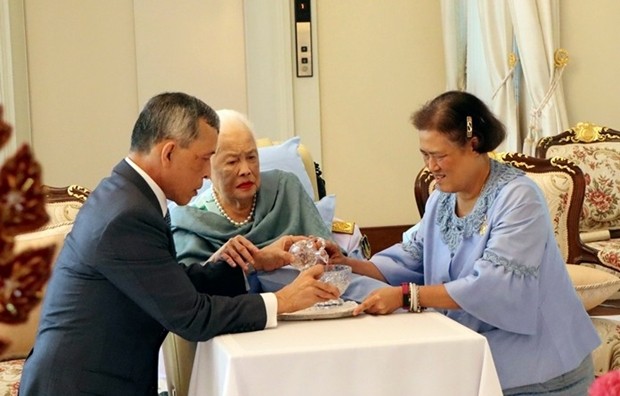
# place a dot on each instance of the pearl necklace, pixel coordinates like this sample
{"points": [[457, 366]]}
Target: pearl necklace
{"points": [[233, 222]]}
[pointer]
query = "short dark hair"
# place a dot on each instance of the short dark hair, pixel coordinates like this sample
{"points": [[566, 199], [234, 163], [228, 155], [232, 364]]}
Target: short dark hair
{"points": [[171, 115], [448, 113]]}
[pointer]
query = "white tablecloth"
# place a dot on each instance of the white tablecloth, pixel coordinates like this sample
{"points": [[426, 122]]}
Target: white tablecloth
{"points": [[398, 354]]}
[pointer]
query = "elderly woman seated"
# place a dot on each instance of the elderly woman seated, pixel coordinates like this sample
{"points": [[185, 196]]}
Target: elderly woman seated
{"points": [[244, 215]]}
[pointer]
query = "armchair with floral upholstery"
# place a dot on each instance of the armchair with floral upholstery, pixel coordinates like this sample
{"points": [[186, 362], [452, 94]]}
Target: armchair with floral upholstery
{"points": [[596, 150]]}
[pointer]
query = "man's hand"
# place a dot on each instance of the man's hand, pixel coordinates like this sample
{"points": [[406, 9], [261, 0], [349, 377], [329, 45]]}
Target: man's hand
{"points": [[305, 291], [237, 251], [381, 301]]}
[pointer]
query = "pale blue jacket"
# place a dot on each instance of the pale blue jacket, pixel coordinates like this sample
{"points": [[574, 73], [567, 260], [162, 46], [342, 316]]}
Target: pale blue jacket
{"points": [[502, 265]]}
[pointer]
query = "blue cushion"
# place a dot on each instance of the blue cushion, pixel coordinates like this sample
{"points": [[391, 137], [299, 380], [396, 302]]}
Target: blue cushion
{"points": [[284, 156], [327, 207]]}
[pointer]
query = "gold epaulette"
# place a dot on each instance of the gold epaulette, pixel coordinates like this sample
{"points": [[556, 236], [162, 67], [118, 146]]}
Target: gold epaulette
{"points": [[343, 227]]}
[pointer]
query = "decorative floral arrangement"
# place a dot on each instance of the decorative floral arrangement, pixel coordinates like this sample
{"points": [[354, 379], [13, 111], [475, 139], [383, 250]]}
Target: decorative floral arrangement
{"points": [[607, 384], [22, 209]]}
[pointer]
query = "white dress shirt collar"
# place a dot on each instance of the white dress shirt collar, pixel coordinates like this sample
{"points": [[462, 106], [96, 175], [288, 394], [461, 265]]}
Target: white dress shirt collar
{"points": [[159, 193]]}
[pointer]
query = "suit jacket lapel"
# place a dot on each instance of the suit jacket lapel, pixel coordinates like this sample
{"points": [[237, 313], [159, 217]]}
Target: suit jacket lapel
{"points": [[126, 171]]}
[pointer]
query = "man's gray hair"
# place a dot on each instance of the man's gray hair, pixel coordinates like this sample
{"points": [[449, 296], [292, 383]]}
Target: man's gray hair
{"points": [[171, 115]]}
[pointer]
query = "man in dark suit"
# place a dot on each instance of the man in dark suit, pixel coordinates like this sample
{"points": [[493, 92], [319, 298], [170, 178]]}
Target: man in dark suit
{"points": [[117, 288]]}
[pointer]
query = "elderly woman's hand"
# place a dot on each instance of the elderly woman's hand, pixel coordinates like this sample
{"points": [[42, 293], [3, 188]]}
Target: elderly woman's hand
{"points": [[237, 251], [335, 253], [381, 301], [276, 255]]}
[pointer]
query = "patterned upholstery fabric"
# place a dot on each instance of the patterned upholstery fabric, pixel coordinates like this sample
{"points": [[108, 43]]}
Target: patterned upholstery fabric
{"points": [[10, 371], [557, 188], [601, 167], [609, 251], [596, 150], [607, 356]]}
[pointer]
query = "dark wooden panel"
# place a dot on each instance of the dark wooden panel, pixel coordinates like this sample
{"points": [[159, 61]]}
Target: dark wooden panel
{"points": [[609, 307], [385, 236]]}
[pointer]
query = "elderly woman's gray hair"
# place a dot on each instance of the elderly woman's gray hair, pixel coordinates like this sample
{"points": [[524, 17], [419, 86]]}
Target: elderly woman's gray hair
{"points": [[228, 116]]}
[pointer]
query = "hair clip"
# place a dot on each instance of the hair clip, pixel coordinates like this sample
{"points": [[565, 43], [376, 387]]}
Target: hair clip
{"points": [[470, 127]]}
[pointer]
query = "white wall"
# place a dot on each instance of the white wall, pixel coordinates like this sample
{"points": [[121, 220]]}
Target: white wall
{"points": [[378, 64], [82, 69], [193, 46], [379, 61], [93, 65], [590, 32]]}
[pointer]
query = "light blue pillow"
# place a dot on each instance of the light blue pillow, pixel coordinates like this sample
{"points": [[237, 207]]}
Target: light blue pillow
{"points": [[284, 156], [327, 207]]}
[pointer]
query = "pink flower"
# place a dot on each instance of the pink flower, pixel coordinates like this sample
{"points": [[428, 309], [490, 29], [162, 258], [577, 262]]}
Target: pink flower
{"points": [[606, 385], [600, 200]]}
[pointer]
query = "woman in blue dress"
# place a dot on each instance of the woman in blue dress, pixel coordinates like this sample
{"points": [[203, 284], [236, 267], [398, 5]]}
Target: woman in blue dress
{"points": [[485, 255]]}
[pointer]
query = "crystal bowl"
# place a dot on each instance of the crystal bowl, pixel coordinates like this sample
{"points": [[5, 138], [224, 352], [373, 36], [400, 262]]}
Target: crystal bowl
{"points": [[338, 275]]}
